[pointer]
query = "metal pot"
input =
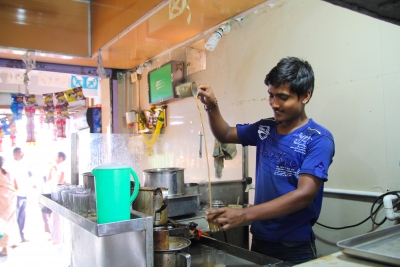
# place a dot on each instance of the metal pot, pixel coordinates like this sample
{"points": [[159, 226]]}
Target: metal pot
{"points": [[171, 178], [154, 202], [192, 189], [171, 259], [88, 181], [161, 238]]}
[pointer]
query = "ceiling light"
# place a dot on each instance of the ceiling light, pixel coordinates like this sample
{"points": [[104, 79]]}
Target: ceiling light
{"points": [[216, 36]]}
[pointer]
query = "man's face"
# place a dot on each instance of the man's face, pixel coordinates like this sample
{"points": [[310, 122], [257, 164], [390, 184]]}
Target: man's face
{"points": [[285, 104], [59, 159], [18, 155]]}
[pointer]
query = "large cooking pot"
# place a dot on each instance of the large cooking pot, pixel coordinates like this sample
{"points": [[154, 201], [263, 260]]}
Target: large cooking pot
{"points": [[171, 178]]}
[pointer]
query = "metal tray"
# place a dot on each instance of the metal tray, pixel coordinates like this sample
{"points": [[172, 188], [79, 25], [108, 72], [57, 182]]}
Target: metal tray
{"points": [[382, 246]]}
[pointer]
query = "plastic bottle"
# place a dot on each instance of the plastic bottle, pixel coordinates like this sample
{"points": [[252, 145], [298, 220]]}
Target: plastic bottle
{"points": [[214, 39]]}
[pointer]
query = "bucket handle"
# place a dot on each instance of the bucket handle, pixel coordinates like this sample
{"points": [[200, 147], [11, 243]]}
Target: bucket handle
{"points": [[137, 185], [165, 200]]}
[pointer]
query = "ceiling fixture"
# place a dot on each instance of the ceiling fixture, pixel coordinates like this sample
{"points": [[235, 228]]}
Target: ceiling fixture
{"points": [[217, 35], [100, 70], [30, 63]]}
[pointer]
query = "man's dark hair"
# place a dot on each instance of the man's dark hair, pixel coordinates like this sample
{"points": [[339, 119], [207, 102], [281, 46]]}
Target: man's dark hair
{"points": [[296, 72], [17, 149], [61, 154]]}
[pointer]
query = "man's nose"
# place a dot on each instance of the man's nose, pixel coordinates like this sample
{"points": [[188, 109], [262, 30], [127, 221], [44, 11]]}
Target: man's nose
{"points": [[274, 103]]}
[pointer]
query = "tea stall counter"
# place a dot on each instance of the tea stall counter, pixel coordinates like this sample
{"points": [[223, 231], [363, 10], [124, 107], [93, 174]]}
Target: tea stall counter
{"points": [[235, 256], [109, 244]]}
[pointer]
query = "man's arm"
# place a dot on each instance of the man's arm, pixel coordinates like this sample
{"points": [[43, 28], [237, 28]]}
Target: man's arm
{"points": [[289, 203], [219, 127]]}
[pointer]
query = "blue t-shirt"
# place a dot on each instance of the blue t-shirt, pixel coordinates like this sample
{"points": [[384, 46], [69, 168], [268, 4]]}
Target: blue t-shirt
{"points": [[279, 162]]}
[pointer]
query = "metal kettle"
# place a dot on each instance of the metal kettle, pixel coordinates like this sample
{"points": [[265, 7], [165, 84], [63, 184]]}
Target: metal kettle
{"points": [[154, 202]]}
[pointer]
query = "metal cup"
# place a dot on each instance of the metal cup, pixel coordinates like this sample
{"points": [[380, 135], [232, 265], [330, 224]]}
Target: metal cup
{"points": [[161, 238], [186, 89]]}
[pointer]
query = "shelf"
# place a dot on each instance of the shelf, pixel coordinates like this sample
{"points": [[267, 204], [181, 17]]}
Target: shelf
{"points": [[138, 222]]}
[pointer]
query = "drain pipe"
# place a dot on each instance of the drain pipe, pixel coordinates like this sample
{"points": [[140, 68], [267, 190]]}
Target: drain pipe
{"points": [[388, 204]]}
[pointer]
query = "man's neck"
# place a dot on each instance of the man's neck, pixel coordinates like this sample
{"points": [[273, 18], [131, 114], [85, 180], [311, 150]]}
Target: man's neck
{"points": [[287, 127]]}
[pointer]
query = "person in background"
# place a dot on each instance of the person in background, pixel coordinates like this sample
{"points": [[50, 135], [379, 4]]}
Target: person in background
{"points": [[20, 174], [58, 174], [293, 157], [8, 203], [45, 189]]}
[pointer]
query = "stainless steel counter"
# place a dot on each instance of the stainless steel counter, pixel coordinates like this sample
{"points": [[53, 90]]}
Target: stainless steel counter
{"points": [[126, 243], [236, 256]]}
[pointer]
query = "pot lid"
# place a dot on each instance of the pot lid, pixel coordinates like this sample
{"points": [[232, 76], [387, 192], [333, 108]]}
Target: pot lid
{"points": [[171, 169], [112, 165]]}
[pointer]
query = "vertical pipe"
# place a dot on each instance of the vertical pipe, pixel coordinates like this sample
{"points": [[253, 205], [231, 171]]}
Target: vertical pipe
{"points": [[114, 109], [127, 97], [74, 159], [245, 174], [245, 162]]}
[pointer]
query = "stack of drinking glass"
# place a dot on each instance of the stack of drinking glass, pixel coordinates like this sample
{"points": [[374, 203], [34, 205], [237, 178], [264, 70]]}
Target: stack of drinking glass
{"points": [[76, 198]]}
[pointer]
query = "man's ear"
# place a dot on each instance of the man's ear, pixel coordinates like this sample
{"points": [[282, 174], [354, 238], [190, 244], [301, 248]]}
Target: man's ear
{"points": [[306, 97]]}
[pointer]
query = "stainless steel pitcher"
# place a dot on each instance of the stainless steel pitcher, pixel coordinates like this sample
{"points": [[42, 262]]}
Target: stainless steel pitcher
{"points": [[154, 202]]}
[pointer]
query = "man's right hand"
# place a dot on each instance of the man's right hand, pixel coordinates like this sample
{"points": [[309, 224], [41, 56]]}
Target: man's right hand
{"points": [[206, 95]]}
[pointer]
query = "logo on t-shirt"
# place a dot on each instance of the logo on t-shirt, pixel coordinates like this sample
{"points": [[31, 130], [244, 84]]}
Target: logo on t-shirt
{"points": [[263, 132], [300, 143]]}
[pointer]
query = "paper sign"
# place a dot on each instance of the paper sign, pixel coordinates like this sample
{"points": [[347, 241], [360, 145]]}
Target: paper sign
{"points": [[85, 82]]}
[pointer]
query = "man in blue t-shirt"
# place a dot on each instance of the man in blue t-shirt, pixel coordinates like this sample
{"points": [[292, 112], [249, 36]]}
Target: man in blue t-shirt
{"points": [[293, 157]]}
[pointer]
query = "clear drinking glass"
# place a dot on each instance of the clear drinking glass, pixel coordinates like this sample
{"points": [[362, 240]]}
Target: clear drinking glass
{"points": [[70, 198], [213, 226], [65, 198], [208, 254], [56, 193], [220, 258], [80, 203], [92, 205]]}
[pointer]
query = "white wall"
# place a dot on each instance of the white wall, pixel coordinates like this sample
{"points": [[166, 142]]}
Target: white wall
{"points": [[356, 61]]}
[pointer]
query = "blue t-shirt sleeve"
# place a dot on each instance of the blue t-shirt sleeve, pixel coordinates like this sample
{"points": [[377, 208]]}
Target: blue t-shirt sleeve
{"points": [[319, 157], [247, 134]]}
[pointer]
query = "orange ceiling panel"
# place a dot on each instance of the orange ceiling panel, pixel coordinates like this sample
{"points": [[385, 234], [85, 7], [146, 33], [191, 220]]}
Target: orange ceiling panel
{"points": [[45, 25], [158, 33], [111, 17], [128, 32]]}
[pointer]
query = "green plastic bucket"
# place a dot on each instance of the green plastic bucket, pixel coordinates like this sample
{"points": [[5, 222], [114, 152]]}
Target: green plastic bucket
{"points": [[113, 193]]}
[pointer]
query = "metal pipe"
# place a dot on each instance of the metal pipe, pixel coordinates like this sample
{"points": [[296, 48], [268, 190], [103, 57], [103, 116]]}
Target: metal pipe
{"points": [[388, 204], [351, 192], [74, 159], [245, 162]]}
